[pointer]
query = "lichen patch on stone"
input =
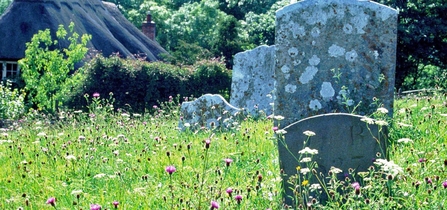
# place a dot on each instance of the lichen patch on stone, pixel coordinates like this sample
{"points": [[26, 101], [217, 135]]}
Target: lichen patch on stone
{"points": [[308, 74], [336, 51], [327, 91]]}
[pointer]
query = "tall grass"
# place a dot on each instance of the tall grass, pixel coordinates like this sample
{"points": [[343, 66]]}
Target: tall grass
{"points": [[102, 156], [116, 159]]}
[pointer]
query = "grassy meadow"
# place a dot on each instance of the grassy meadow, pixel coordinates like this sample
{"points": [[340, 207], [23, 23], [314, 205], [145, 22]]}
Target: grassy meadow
{"points": [[104, 159]]}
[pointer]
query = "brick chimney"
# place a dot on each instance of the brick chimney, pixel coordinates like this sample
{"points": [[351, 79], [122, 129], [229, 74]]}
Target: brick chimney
{"points": [[148, 27]]}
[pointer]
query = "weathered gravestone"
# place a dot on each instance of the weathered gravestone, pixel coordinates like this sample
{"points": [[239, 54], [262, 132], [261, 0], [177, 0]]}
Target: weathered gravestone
{"points": [[334, 56], [209, 111], [342, 140], [253, 80]]}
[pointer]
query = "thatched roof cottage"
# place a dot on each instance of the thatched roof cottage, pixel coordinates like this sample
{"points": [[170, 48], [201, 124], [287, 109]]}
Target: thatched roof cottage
{"points": [[111, 31]]}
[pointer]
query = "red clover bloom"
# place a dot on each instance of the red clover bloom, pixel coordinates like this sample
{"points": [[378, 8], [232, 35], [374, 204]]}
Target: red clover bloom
{"points": [[170, 169], [214, 205]]}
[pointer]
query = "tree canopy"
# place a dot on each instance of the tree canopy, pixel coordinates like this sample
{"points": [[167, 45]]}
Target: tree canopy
{"points": [[221, 28], [422, 32]]}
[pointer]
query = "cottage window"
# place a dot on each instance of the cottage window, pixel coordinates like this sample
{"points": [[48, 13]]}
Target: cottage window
{"points": [[9, 70]]}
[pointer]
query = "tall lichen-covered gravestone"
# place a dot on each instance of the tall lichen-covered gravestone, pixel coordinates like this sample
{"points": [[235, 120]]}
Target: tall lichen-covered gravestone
{"points": [[334, 56], [343, 141], [253, 80]]}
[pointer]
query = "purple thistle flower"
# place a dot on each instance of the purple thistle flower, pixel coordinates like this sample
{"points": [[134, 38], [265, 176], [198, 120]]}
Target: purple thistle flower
{"points": [[229, 191], [115, 203], [214, 205], [238, 198], [51, 201], [95, 95], [355, 185], [207, 143], [422, 160], [275, 128], [444, 184], [95, 207], [228, 161], [170, 169]]}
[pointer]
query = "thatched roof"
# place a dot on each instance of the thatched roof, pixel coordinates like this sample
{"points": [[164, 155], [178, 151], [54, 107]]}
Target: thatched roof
{"points": [[111, 32]]}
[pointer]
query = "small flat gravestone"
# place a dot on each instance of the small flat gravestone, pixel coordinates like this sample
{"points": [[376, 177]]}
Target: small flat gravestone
{"points": [[334, 56], [209, 111], [253, 80], [342, 140]]}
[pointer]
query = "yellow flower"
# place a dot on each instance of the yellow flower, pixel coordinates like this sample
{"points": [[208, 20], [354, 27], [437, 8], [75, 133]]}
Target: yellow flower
{"points": [[305, 183], [298, 168]]}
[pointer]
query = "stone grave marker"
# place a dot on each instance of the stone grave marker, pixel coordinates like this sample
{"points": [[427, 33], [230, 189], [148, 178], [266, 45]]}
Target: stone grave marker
{"points": [[334, 56], [253, 80], [208, 111], [342, 140]]}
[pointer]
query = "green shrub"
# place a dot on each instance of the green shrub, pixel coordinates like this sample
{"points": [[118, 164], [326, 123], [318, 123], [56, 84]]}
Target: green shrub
{"points": [[211, 76], [12, 104], [427, 77], [139, 85], [45, 68]]}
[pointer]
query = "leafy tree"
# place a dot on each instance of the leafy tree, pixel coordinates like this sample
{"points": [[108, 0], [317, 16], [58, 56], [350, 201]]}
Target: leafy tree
{"points": [[193, 24], [229, 42], [127, 5], [239, 8], [422, 40], [422, 32], [188, 54], [190, 30], [45, 68], [3, 5], [260, 27]]}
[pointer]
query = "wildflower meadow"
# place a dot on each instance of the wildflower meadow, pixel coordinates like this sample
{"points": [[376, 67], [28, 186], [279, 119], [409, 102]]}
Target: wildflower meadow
{"points": [[107, 158]]}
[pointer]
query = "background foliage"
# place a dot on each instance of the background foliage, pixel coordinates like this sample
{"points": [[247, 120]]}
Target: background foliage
{"points": [[138, 85], [4, 4], [422, 41], [207, 28], [12, 100], [45, 68], [422, 32]]}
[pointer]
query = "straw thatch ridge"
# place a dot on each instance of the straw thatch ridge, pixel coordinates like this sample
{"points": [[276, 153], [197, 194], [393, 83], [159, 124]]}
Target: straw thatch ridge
{"points": [[111, 31]]}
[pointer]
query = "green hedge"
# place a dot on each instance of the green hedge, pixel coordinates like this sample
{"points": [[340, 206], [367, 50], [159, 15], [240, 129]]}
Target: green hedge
{"points": [[139, 85]]}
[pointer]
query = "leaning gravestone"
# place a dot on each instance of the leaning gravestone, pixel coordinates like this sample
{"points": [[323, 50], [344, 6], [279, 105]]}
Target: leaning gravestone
{"points": [[253, 80], [334, 56], [208, 111], [342, 140]]}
